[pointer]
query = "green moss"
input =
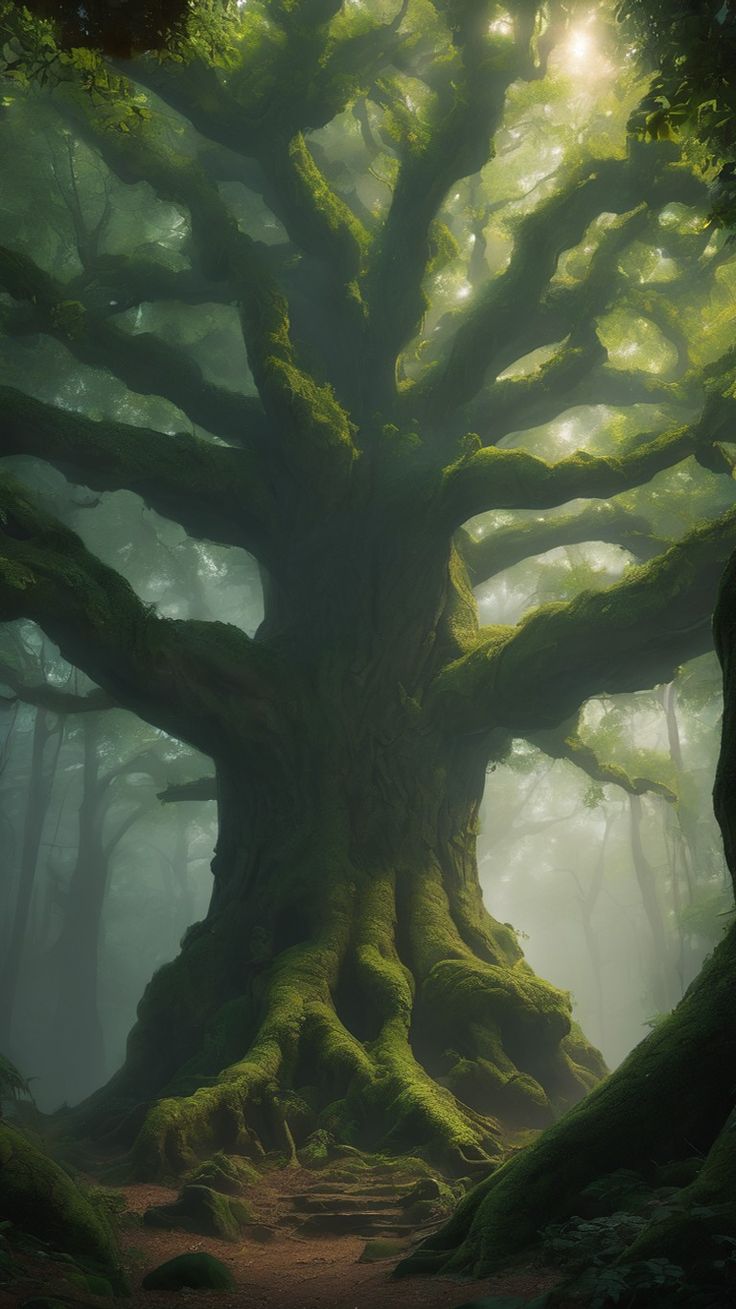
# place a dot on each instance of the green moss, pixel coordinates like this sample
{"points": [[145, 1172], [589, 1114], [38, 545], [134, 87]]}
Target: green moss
{"points": [[668, 1095], [225, 1173], [40, 1198], [199, 1208]]}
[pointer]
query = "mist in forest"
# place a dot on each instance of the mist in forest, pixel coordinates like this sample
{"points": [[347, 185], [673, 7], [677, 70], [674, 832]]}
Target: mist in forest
{"points": [[108, 825]]}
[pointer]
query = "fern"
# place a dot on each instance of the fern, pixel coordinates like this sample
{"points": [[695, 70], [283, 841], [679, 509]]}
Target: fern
{"points": [[12, 1085]]}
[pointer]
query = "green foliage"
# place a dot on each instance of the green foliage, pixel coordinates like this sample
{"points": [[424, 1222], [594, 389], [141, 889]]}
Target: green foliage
{"points": [[693, 49], [581, 1243]]}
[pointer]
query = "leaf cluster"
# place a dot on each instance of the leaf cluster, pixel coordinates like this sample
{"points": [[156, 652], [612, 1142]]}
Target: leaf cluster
{"points": [[692, 47], [119, 30]]}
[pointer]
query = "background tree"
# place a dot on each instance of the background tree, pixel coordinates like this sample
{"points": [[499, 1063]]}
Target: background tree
{"points": [[278, 299]]}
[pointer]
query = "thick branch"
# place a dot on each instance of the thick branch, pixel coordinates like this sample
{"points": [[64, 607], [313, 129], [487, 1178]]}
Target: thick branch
{"points": [[161, 669], [212, 491], [494, 478], [574, 376], [503, 547], [629, 637]]}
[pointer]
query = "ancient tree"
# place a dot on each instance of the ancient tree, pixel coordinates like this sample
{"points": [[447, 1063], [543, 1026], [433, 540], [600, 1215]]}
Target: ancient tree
{"points": [[348, 975]]}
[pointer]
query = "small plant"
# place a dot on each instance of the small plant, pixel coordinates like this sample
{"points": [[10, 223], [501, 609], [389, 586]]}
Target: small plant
{"points": [[582, 1243], [626, 1284], [13, 1086]]}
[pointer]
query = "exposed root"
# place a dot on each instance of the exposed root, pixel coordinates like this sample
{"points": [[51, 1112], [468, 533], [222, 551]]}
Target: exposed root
{"points": [[438, 1052]]}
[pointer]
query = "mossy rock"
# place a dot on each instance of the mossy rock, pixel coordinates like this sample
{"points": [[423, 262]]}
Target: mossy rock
{"points": [[40, 1198], [200, 1271], [318, 1150], [224, 1173], [201, 1209]]}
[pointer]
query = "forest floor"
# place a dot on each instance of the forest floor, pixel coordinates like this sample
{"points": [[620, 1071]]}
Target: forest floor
{"points": [[285, 1261], [310, 1270]]}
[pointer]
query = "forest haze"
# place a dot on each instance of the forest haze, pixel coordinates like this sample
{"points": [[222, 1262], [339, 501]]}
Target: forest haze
{"points": [[366, 391]]}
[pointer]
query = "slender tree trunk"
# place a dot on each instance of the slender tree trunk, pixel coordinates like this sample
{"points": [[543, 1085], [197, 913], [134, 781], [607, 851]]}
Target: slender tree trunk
{"points": [[40, 786], [76, 1039], [664, 988]]}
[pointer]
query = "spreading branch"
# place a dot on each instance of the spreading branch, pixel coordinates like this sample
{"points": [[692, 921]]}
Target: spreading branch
{"points": [[507, 321], [631, 636], [573, 377], [159, 668], [494, 478], [55, 698], [212, 491], [200, 788], [309, 425], [144, 362], [503, 547], [453, 143]]}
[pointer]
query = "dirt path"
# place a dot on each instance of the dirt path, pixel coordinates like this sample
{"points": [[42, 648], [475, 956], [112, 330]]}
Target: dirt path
{"points": [[300, 1270], [304, 1252]]}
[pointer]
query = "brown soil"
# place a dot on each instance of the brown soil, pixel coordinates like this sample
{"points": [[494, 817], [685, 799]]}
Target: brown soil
{"points": [[283, 1267]]}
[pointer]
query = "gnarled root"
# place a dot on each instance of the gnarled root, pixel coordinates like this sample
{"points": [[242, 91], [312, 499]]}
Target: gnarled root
{"points": [[385, 1027]]}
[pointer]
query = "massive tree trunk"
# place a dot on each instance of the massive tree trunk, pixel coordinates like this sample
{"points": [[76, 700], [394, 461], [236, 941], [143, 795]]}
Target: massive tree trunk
{"points": [[348, 975]]}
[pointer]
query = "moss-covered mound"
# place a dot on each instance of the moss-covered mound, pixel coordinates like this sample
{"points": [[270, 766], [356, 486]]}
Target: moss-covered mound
{"points": [[201, 1271], [201, 1209], [38, 1197]]}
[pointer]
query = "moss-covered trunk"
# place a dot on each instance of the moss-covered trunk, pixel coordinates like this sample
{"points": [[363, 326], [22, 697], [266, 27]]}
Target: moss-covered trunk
{"points": [[348, 976]]}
